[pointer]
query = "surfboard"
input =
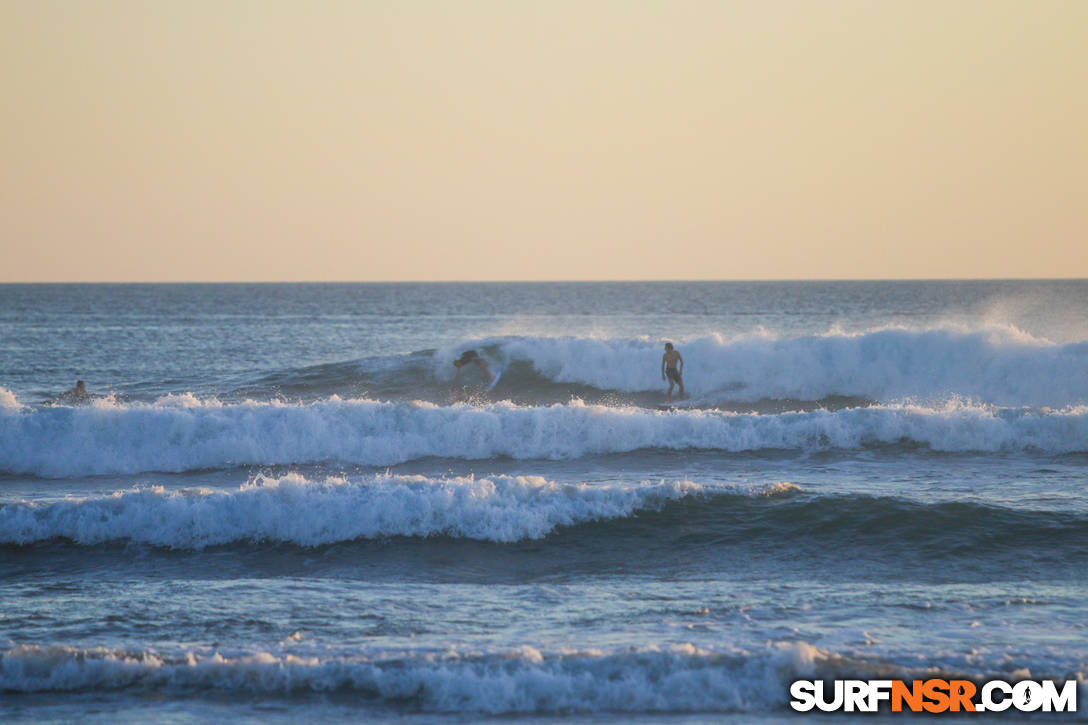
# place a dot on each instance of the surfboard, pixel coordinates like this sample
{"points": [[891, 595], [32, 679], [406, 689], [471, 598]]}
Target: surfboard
{"points": [[495, 382], [678, 404]]}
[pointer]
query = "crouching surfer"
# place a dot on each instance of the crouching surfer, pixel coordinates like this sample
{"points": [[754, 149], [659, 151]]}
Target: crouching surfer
{"points": [[471, 357]]}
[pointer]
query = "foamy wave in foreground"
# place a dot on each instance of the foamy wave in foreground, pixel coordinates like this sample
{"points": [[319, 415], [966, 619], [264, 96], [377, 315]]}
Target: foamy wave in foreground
{"points": [[183, 434], [998, 364], [678, 678], [523, 680], [311, 513]]}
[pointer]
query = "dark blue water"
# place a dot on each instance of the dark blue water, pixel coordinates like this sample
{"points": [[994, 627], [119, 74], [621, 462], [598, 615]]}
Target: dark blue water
{"points": [[282, 503]]}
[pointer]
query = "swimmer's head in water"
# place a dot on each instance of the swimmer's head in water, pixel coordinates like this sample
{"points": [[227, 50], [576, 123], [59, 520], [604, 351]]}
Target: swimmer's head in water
{"points": [[80, 385], [668, 345]]}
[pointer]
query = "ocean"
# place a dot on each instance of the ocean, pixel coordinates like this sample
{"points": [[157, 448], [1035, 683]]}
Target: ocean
{"points": [[282, 505]]}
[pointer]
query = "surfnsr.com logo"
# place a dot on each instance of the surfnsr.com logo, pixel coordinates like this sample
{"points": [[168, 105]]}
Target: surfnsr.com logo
{"points": [[934, 696]]}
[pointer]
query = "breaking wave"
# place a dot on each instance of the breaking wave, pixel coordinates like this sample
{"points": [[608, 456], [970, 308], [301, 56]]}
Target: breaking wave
{"points": [[182, 434], [680, 516], [679, 678], [1000, 365], [295, 510]]}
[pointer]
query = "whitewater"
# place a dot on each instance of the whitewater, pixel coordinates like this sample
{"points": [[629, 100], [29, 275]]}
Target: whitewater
{"points": [[998, 363], [283, 502], [136, 438]]}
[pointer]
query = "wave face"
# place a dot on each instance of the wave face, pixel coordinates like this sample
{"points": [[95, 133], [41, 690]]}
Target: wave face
{"points": [[504, 509], [182, 434], [999, 365]]}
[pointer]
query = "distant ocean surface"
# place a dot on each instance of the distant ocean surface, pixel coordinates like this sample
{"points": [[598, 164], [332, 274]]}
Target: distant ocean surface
{"points": [[281, 505]]}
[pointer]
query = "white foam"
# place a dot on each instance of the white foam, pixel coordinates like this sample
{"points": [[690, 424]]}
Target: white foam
{"points": [[997, 364], [681, 678], [8, 401], [133, 438], [310, 513]]}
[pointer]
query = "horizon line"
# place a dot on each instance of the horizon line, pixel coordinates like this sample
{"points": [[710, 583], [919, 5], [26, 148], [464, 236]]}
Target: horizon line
{"points": [[550, 281]]}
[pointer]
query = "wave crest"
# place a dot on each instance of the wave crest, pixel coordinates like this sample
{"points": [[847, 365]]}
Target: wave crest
{"points": [[294, 510], [184, 435], [997, 364], [680, 678], [522, 680], [677, 515]]}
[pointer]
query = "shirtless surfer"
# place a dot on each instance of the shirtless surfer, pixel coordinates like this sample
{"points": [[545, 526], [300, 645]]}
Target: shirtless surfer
{"points": [[470, 357], [669, 370]]}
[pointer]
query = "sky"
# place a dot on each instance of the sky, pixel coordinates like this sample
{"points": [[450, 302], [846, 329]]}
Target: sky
{"points": [[229, 140]]}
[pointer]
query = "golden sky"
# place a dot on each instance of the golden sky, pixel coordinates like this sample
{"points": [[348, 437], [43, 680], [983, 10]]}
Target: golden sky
{"points": [[229, 140]]}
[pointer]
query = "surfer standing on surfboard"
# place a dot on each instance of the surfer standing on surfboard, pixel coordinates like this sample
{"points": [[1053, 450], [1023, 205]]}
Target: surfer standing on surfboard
{"points": [[470, 357], [669, 367]]}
